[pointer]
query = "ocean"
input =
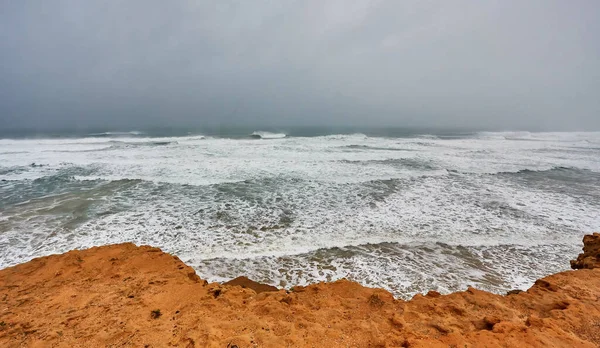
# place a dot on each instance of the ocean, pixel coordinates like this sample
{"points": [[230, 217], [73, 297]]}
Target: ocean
{"points": [[405, 210]]}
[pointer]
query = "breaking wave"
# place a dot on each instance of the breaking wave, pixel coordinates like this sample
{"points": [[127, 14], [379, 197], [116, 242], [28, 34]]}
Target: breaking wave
{"points": [[557, 169], [267, 135], [113, 134]]}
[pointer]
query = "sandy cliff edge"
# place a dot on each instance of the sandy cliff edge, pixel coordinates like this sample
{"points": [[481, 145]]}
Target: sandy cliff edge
{"points": [[128, 296]]}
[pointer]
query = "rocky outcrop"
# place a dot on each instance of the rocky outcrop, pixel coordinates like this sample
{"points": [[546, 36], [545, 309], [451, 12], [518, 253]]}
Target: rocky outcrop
{"points": [[244, 282], [590, 258], [128, 296]]}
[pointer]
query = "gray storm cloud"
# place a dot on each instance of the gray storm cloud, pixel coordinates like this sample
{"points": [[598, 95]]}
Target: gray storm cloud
{"points": [[493, 64]]}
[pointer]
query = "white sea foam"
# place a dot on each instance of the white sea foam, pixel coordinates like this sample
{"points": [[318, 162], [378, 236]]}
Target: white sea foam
{"points": [[324, 207]]}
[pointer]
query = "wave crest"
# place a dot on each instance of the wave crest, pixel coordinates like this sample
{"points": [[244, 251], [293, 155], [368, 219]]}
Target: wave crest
{"points": [[109, 134], [267, 135], [555, 169]]}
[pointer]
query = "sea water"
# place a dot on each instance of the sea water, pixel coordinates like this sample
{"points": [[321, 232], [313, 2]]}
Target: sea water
{"points": [[405, 210]]}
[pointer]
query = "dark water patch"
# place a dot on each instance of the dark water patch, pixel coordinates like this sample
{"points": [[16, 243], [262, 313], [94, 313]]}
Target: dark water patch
{"points": [[409, 163], [379, 190], [13, 152], [273, 192], [119, 145], [583, 148], [66, 208], [421, 143], [373, 148], [504, 210], [117, 134], [556, 174], [60, 182], [257, 188], [580, 184], [566, 150], [115, 145], [533, 171], [81, 151], [13, 170]]}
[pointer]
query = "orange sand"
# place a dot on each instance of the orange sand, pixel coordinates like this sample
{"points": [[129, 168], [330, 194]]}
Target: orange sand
{"points": [[106, 296]]}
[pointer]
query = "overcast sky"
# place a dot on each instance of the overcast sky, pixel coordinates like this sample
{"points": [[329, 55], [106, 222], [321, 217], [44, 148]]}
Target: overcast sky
{"points": [[137, 63]]}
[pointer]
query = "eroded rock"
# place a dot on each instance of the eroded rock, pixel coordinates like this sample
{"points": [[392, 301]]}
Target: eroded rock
{"points": [[590, 258]]}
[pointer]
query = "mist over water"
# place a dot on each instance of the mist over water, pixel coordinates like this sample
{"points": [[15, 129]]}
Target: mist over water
{"points": [[403, 210]]}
